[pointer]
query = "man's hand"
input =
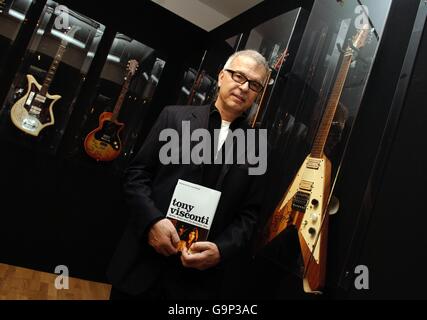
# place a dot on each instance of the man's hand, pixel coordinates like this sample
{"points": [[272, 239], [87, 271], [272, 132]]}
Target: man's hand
{"points": [[163, 237], [201, 255]]}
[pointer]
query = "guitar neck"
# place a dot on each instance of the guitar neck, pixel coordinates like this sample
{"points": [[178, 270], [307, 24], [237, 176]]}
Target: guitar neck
{"points": [[121, 99], [52, 69], [195, 87], [331, 107], [261, 102]]}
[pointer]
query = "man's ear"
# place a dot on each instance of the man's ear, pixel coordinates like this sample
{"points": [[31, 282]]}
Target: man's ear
{"points": [[220, 77]]}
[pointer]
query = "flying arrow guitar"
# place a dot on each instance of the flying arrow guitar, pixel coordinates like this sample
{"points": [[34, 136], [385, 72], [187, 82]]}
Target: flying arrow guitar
{"points": [[305, 202]]}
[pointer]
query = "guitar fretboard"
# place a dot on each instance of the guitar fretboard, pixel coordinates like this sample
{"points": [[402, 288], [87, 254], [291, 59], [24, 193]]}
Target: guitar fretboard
{"points": [[52, 69], [331, 107], [121, 98]]}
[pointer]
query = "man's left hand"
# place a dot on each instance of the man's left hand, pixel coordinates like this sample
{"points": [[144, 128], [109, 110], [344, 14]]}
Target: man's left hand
{"points": [[201, 255]]}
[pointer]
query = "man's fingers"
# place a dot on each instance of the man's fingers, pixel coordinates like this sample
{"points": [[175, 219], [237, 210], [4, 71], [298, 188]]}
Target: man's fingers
{"points": [[175, 238], [184, 255], [200, 246], [170, 249], [189, 260]]}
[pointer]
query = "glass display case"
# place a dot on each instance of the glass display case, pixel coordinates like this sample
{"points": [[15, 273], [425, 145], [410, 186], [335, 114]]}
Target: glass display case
{"points": [[309, 130], [203, 89], [113, 118], [188, 81], [199, 84], [198, 87], [12, 15], [277, 40], [43, 93]]}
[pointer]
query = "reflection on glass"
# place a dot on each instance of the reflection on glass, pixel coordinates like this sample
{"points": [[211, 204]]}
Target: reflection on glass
{"points": [[272, 39], [199, 81], [310, 130], [12, 14], [46, 86], [125, 90]]}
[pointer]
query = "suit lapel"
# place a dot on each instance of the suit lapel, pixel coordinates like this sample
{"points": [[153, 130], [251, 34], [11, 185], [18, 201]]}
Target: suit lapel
{"points": [[199, 119], [229, 157]]}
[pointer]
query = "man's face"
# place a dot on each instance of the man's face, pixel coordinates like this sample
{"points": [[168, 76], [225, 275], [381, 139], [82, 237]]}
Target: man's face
{"points": [[233, 96]]}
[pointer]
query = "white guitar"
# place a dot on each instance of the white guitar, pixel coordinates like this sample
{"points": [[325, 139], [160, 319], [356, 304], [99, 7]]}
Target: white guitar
{"points": [[33, 112]]}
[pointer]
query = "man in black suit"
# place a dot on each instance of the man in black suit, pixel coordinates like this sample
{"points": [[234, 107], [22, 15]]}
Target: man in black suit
{"points": [[146, 263]]}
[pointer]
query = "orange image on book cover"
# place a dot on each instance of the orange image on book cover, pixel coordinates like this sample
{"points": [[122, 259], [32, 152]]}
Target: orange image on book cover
{"points": [[189, 234]]}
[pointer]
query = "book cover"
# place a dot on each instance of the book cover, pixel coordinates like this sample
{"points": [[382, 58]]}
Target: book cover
{"points": [[192, 210]]}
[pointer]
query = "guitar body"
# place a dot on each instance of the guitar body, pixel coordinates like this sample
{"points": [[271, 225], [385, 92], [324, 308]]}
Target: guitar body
{"points": [[33, 112], [103, 143], [304, 206]]}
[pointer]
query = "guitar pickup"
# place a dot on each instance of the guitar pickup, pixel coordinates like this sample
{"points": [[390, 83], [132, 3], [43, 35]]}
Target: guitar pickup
{"points": [[40, 98], [313, 164], [30, 98], [306, 185], [35, 110]]}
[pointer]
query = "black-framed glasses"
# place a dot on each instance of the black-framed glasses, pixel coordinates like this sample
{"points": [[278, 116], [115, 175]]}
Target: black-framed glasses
{"points": [[241, 78]]}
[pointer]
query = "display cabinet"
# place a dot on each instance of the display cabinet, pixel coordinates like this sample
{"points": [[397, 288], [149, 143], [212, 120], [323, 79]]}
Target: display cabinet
{"points": [[277, 40], [199, 84], [203, 89], [115, 111], [188, 81], [198, 88], [12, 16], [42, 96], [309, 130]]}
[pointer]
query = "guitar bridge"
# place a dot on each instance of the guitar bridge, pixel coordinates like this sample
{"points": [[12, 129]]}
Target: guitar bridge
{"points": [[300, 201]]}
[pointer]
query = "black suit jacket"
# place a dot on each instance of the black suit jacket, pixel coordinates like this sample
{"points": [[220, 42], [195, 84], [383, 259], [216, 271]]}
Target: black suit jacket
{"points": [[148, 188]]}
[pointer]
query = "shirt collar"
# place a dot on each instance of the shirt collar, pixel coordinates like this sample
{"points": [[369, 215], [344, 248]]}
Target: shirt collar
{"points": [[236, 122]]}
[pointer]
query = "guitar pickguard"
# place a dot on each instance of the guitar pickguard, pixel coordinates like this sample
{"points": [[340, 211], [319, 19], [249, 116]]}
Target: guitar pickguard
{"points": [[109, 135], [103, 143]]}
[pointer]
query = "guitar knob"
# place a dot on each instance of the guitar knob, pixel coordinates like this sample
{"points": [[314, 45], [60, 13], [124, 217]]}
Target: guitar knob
{"points": [[312, 231], [314, 217], [315, 202]]}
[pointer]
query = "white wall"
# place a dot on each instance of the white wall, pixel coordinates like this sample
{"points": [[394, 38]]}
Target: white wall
{"points": [[195, 12]]}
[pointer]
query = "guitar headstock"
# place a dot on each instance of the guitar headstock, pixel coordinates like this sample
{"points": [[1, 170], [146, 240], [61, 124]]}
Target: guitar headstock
{"points": [[71, 31], [359, 39], [68, 34], [280, 59], [132, 66]]}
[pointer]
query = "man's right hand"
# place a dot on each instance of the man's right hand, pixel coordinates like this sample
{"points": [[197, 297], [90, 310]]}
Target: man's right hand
{"points": [[163, 237]]}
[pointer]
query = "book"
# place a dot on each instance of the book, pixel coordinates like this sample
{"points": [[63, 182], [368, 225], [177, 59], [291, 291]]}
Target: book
{"points": [[192, 210]]}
